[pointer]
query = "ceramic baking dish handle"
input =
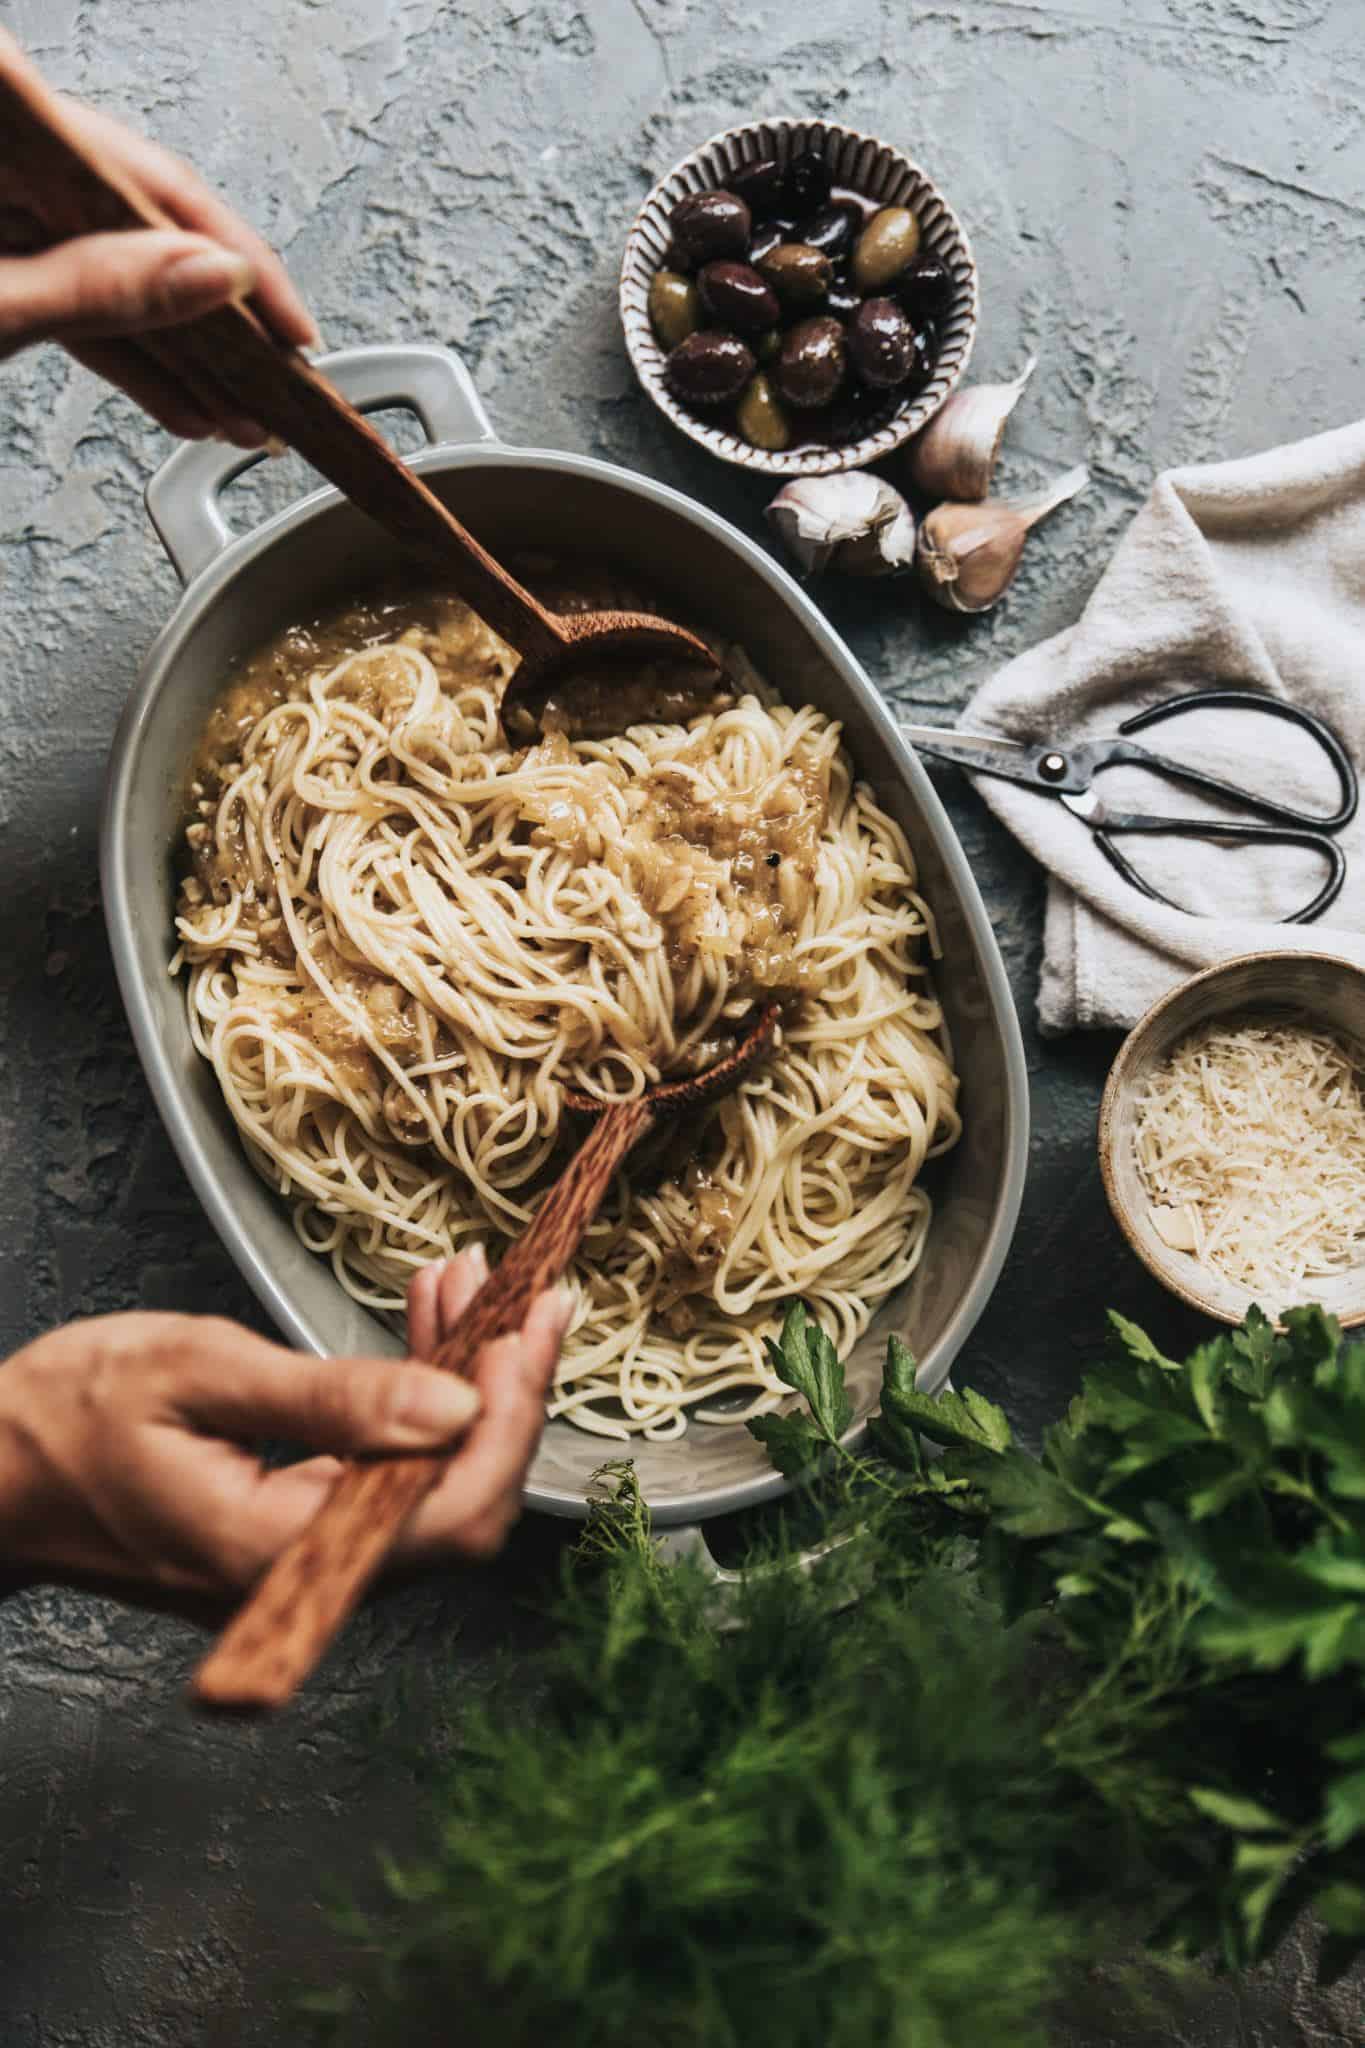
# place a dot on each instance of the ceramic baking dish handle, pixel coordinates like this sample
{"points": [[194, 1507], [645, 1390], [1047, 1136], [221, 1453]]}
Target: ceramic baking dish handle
{"points": [[184, 497], [688, 1545]]}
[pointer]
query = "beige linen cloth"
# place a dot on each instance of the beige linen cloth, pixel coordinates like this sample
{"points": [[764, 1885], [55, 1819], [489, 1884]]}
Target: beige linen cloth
{"points": [[1249, 574]]}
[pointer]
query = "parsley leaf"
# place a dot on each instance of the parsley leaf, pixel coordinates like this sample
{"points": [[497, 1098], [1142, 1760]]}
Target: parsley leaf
{"points": [[792, 1441], [1026, 1499], [965, 1421], [805, 1359], [1137, 1343], [1255, 1349], [1242, 1814]]}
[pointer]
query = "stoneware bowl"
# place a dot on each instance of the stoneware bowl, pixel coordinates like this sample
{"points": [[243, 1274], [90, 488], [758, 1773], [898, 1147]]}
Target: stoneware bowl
{"points": [[241, 588], [875, 171], [1312, 987]]}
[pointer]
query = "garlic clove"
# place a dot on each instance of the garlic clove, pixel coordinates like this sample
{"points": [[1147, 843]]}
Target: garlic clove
{"points": [[968, 554], [815, 514], [955, 456], [850, 521], [887, 547]]}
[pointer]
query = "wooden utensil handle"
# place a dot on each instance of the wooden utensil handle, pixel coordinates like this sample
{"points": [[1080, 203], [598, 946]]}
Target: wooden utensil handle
{"points": [[278, 1635], [54, 186]]}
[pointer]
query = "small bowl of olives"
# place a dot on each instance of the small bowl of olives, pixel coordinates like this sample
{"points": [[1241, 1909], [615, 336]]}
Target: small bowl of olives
{"points": [[798, 298]]}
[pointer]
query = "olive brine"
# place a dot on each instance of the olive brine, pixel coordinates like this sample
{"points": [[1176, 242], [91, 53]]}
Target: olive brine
{"points": [[805, 312]]}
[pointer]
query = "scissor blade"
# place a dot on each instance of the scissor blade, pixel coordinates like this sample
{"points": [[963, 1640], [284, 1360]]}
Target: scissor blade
{"points": [[985, 753], [1087, 804]]}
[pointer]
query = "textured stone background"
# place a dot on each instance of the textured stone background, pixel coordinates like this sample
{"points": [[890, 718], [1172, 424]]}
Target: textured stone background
{"points": [[1167, 202]]}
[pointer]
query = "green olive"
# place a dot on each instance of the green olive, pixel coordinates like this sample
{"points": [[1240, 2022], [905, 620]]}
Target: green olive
{"points": [[674, 307], [799, 275], [760, 418], [886, 245]]}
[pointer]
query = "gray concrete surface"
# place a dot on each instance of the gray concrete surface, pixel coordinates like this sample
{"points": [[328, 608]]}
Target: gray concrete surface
{"points": [[1168, 203]]}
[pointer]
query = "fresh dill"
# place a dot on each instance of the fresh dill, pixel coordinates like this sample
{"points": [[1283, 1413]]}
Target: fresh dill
{"points": [[1030, 1703]]}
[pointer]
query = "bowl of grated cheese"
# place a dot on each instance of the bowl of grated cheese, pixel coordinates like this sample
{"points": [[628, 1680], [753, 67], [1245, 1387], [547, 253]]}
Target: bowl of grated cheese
{"points": [[1232, 1137]]}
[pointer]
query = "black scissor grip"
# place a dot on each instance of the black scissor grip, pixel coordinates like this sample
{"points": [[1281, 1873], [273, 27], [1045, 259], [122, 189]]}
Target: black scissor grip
{"points": [[1211, 785], [1204, 828]]}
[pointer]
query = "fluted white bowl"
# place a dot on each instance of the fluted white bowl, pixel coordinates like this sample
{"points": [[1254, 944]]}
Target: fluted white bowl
{"points": [[864, 165]]}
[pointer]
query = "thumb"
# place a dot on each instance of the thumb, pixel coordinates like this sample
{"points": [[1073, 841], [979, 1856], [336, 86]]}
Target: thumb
{"points": [[116, 284], [332, 1404]]}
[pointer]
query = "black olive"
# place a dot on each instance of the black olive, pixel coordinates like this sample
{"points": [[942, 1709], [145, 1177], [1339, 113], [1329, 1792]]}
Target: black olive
{"points": [[808, 183], [881, 344], [926, 355], [833, 228], [774, 860], [811, 366], [736, 295], [857, 412], [759, 185], [926, 289], [709, 368], [842, 301], [710, 224]]}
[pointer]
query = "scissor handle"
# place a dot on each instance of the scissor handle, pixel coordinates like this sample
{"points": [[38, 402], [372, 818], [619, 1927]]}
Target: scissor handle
{"points": [[1213, 785], [1213, 828]]}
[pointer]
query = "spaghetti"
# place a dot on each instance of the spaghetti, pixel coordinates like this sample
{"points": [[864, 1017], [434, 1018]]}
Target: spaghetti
{"points": [[405, 937]]}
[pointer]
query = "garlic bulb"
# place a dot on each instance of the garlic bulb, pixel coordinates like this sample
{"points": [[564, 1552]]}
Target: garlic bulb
{"points": [[968, 554], [852, 521], [955, 456]]}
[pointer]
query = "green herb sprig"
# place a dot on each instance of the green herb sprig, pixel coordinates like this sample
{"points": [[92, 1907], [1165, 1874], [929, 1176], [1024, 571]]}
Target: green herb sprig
{"points": [[1118, 1683], [1196, 1532]]}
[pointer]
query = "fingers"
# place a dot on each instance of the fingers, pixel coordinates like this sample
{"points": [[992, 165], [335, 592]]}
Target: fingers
{"points": [[188, 200], [471, 1509], [160, 394], [460, 1281], [103, 285], [439, 1296], [247, 1388], [277, 1508], [424, 1314], [237, 1518], [534, 1353], [230, 1518]]}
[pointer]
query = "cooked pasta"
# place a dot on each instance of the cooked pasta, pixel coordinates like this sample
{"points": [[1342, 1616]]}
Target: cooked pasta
{"points": [[405, 937]]}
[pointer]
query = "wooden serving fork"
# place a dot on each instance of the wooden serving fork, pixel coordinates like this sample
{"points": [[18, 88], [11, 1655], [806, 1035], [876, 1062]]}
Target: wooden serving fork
{"points": [[277, 1637]]}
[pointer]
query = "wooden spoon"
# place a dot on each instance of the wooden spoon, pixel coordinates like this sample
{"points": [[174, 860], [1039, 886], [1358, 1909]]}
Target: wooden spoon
{"points": [[275, 1639], [54, 186]]}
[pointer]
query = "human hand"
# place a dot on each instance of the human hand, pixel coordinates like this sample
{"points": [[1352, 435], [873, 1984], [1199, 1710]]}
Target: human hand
{"points": [[472, 1508], [94, 294], [123, 1440]]}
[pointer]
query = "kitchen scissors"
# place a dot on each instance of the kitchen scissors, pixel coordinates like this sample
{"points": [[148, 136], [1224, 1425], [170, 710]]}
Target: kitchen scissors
{"points": [[1068, 773]]}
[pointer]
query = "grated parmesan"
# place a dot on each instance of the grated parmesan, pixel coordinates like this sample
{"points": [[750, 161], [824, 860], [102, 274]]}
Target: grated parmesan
{"points": [[1250, 1142]]}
